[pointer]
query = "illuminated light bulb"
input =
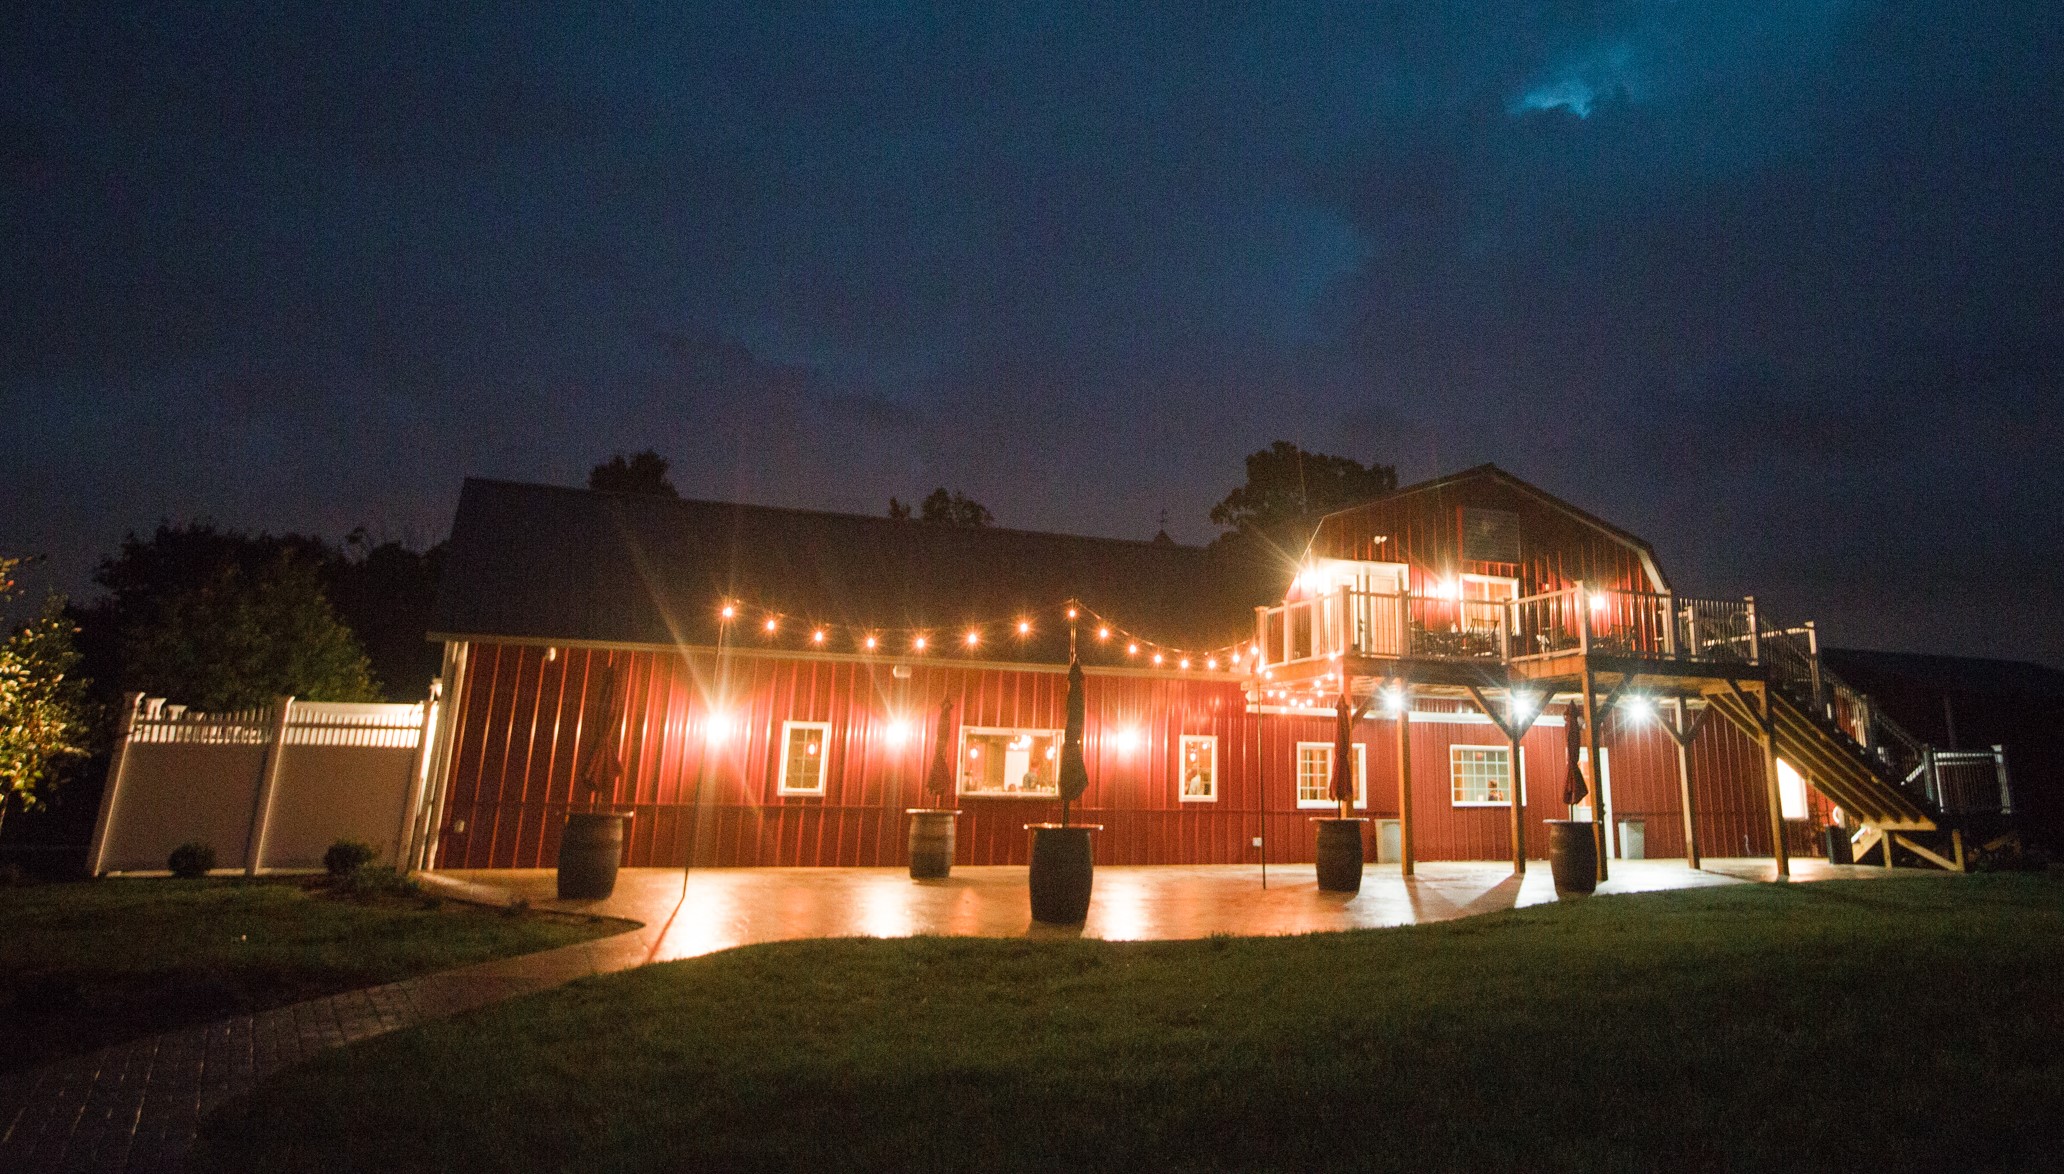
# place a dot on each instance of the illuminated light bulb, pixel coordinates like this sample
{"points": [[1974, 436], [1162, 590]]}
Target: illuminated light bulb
{"points": [[1183, 663], [728, 612], [1127, 740], [817, 637], [897, 731], [1522, 704], [771, 623], [1641, 709], [1393, 701], [1268, 674], [1157, 658], [1211, 663], [716, 727], [1024, 627], [974, 752], [1599, 601], [974, 638], [1071, 613], [870, 643], [1132, 650], [813, 747], [918, 644], [1103, 633]]}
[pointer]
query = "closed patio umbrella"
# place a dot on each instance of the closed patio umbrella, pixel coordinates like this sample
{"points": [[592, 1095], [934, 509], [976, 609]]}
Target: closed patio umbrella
{"points": [[1343, 782], [605, 761], [1074, 772], [939, 779], [1574, 789]]}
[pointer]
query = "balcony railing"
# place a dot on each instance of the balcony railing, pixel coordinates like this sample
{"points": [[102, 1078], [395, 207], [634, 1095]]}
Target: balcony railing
{"points": [[1348, 622]]}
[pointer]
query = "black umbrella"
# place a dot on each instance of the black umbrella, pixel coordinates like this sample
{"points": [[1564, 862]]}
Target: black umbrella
{"points": [[939, 779], [605, 761], [1074, 772]]}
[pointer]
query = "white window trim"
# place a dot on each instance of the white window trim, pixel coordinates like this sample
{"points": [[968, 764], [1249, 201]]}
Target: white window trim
{"points": [[1361, 755], [960, 763], [1183, 753], [1473, 577], [1506, 749], [788, 729]]}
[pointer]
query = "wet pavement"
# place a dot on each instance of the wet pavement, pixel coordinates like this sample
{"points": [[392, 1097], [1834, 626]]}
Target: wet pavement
{"points": [[718, 908]]}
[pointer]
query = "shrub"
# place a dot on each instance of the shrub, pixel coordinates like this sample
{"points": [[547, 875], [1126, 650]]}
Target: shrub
{"points": [[368, 882], [346, 857], [191, 859]]}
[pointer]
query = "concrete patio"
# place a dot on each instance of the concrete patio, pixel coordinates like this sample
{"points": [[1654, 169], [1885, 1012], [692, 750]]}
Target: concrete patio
{"points": [[719, 908]]}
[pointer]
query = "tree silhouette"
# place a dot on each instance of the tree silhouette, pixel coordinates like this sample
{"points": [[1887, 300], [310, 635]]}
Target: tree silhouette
{"points": [[641, 472]]}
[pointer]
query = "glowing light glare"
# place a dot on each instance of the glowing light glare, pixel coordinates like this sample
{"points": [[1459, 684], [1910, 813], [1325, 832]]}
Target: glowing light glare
{"points": [[772, 623], [1393, 701], [918, 644], [728, 611], [1071, 613], [897, 732], [1024, 627], [1599, 602], [870, 643], [1103, 633], [1211, 663], [1521, 704], [817, 637], [718, 727], [1450, 589], [974, 638], [1132, 650], [1641, 709], [1127, 740]]}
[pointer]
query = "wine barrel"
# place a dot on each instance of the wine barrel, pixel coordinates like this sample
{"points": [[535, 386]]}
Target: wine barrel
{"points": [[1062, 872], [931, 842], [1573, 855], [1340, 855], [589, 852]]}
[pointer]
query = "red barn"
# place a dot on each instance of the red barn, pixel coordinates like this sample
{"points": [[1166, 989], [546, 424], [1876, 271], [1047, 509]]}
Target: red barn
{"points": [[762, 686]]}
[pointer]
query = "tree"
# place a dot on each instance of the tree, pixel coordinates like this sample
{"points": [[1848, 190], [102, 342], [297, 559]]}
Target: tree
{"points": [[899, 510], [383, 592], [1288, 488], [642, 472], [240, 637], [940, 508], [43, 714]]}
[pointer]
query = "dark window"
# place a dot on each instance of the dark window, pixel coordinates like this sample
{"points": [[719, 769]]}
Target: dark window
{"points": [[1490, 536]]}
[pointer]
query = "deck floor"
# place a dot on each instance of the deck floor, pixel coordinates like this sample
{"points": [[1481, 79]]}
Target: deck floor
{"points": [[726, 907]]}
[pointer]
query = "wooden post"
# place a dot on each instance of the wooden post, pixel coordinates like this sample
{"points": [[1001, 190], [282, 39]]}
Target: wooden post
{"points": [[1755, 632], [419, 776], [1404, 774], [455, 659], [1513, 735], [125, 726], [1595, 770], [1261, 639], [1767, 719], [1670, 626], [1683, 735], [268, 782]]}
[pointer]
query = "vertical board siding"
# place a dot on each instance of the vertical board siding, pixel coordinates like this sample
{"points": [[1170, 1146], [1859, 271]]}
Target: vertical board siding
{"points": [[530, 725]]}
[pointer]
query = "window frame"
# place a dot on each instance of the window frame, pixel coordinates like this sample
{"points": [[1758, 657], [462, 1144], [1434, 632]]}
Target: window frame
{"points": [[1361, 754], [1182, 793], [788, 729], [960, 762], [1515, 776]]}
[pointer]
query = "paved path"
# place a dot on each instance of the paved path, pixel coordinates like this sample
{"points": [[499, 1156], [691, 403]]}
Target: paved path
{"points": [[134, 1108]]}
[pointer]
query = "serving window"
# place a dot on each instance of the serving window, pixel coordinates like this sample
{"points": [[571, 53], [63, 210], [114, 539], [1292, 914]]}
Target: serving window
{"points": [[1010, 762]]}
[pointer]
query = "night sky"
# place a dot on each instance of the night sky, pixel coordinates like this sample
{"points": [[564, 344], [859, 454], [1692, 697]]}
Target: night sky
{"points": [[1776, 285]]}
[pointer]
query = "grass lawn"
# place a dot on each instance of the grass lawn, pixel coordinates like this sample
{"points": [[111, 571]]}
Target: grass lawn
{"points": [[1906, 1024], [96, 962]]}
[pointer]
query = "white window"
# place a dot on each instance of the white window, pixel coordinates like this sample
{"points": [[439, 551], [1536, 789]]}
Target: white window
{"points": [[1481, 776], [1199, 768], [1791, 791], [1010, 762], [1315, 774], [805, 751]]}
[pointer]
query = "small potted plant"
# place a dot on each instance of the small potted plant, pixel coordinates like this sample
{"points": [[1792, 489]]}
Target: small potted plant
{"points": [[932, 828], [1340, 838], [1062, 854]]}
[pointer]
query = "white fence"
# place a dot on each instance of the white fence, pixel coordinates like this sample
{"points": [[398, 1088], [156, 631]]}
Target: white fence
{"points": [[267, 788]]}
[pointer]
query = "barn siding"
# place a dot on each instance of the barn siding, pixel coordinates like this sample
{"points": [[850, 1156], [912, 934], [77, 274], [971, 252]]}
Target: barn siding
{"points": [[529, 726]]}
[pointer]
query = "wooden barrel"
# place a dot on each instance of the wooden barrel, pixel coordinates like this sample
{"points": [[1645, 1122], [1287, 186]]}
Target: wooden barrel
{"points": [[1062, 872], [1340, 855], [588, 855], [1572, 855], [931, 842]]}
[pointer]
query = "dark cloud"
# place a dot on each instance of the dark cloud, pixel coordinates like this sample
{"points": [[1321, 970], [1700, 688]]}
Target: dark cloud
{"points": [[1773, 283]]}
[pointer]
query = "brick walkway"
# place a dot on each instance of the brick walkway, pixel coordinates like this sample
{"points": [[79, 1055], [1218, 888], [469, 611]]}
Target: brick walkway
{"points": [[134, 1108]]}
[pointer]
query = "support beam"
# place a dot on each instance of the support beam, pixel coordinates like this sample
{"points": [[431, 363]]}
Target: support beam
{"points": [[1404, 774], [268, 784], [1760, 705], [1514, 728], [1682, 734], [1597, 775]]}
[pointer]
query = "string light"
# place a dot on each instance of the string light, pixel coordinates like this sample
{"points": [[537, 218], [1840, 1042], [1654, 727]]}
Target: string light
{"points": [[1103, 633], [817, 637], [918, 643], [1024, 627], [973, 638], [729, 612], [1157, 658], [1071, 613], [1132, 650], [772, 623], [870, 642]]}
